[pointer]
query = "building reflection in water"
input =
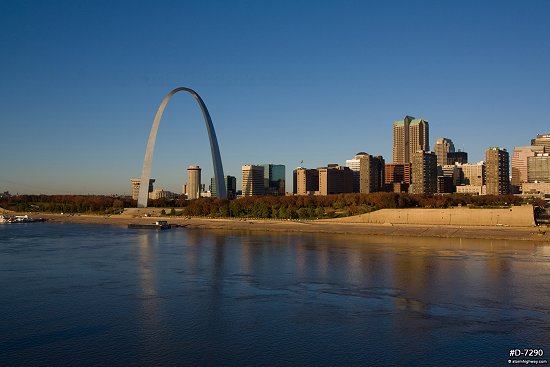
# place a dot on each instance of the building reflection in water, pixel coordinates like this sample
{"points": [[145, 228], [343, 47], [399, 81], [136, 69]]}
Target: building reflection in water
{"points": [[152, 318], [416, 281]]}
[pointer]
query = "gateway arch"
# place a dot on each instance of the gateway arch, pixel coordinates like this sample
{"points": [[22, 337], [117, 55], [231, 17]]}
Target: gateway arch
{"points": [[216, 157]]}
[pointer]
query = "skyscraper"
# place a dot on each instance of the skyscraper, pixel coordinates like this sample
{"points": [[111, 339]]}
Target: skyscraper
{"points": [[497, 170], [409, 135], [457, 157], [355, 165], [538, 168], [442, 147], [371, 174], [424, 173], [274, 179], [193, 182], [253, 180], [519, 162], [230, 185], [542, 140]]}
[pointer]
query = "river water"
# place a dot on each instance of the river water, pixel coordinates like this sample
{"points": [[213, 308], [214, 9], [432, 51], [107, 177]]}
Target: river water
{"points": [[96, 295]]}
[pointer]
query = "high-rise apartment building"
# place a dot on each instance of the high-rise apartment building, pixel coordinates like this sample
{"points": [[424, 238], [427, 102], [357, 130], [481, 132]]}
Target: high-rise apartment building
{"points": [[335, 179], [306, 181], [497, 171], [274, 179], [230, 186], [542, 140], [424, 173], [409, 135], [193, 182], [442, 147], [519, 162], [253, 180], [538, 168], [136, 183]]}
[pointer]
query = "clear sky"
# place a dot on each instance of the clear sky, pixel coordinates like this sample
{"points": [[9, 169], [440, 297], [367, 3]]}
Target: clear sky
{"points": [[285, 81]]}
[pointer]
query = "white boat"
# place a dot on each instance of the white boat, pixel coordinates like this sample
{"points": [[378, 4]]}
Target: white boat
{"points": [[19, 219]]}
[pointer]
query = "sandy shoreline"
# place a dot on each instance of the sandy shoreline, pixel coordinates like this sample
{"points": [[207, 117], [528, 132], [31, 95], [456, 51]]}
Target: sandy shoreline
{"points": [[539, 234]]}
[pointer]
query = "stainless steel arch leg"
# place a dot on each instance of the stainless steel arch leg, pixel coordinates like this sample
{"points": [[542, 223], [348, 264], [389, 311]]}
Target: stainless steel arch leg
{"points": [[216, 157]]}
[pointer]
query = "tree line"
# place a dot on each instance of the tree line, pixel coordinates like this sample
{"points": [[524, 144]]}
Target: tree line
{"points": [[278, 207], [67, 203], [331, 206]]}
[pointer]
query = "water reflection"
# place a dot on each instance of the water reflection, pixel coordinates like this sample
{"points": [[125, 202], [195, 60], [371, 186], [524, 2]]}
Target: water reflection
{"points": [[151, 318], [196, 297]]}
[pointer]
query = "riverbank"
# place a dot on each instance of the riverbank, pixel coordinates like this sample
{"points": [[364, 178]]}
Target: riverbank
{"points": [[539, 234]]}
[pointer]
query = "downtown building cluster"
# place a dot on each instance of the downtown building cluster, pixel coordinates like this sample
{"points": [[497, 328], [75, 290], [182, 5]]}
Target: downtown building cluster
{"points": [[418, 170], [257, 180], [414, 169]]}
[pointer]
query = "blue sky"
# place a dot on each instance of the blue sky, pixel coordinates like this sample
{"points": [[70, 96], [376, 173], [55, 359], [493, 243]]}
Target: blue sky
{"points": [[285, 81]]}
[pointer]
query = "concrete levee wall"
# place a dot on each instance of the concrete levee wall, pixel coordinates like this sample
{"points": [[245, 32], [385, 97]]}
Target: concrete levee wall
{"points": [[516, 216]]}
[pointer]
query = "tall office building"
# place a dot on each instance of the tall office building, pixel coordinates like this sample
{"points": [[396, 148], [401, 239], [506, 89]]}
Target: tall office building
{"points": [[368, 172], [397, 173], [542, 140], [497, 170], [371, 174], [519, 162], [397, 177], [136, 183], [472, 174], [193, 182], [335, 179], [451, 170], [538, 168], [409, 135], [354, 165], [457, 157], [306, 181], [424, 173], [253, 180], [445, 185], [442, 147], [230, 186], [274, 179]]}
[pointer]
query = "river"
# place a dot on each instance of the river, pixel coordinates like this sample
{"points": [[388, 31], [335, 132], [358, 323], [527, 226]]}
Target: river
{"points": [[100, 295]]}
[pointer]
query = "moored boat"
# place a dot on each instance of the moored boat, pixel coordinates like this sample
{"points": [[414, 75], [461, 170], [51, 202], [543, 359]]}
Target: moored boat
{"points": [[19, 219]]}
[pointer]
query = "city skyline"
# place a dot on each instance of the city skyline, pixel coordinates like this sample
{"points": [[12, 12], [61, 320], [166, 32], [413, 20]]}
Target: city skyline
{"points": [[81, 85]]}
